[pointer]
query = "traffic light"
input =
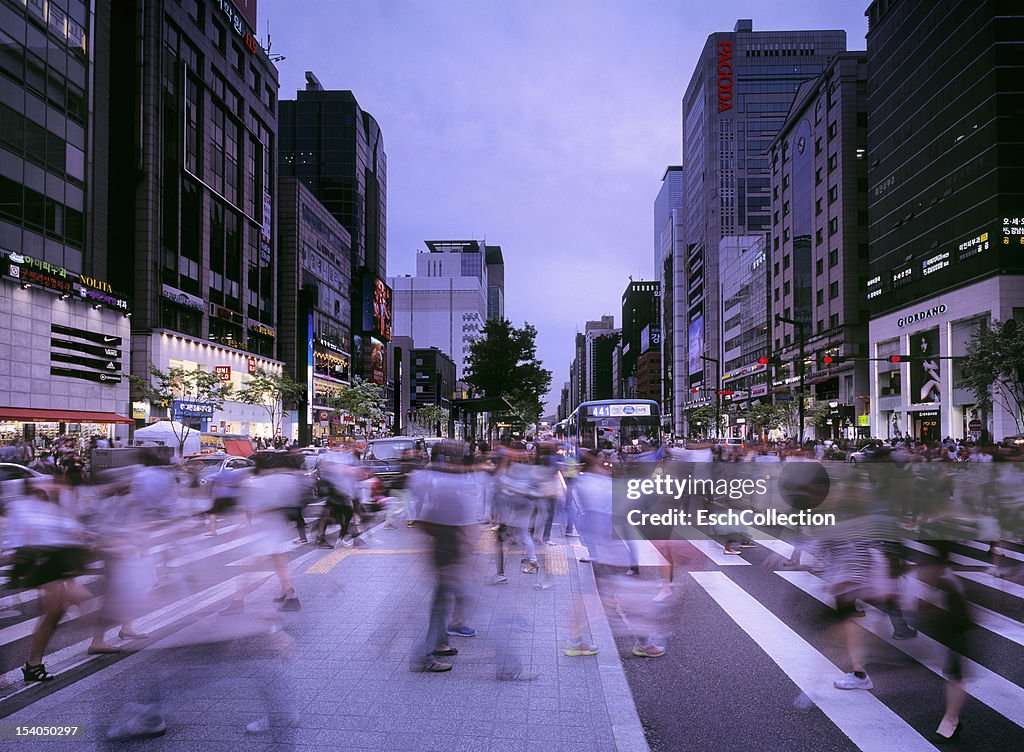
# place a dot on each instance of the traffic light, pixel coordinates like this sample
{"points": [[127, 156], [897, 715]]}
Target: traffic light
{"points": [[830, 360], [898, 358], [765, 360]]}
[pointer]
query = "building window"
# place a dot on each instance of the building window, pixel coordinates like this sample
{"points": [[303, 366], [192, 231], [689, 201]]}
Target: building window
{"points": [[776, 294], [819, 266], [833, 226], [775, 218], [833, 321], [833, 194], [833, 160], [833, 258], [785, 235], [785, 182], [817, 176], [785, 287], [219, 37], [833, 291], [821, 325], [785, 209], [818, 238], [817, 207], [833, 128], [817, 146], [820, 297], [785, 264]]}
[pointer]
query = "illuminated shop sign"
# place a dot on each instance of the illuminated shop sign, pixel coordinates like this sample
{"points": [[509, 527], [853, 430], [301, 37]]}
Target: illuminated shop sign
{"points": [[182, 298], [263, 330], [972, 247], [902, 277], [874, 287], [933, 264], [618, 411], [724, 75], [237, 22], [1013, 227], [27, 270], [921, 315]]}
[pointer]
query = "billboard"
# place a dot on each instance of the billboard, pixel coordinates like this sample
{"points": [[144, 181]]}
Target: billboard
{"points": [[377, 307], [695, 345], [925, 385], [378, 369]]}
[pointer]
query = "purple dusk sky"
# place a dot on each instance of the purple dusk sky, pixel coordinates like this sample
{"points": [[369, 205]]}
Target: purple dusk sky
{"points": [[543, 127]]}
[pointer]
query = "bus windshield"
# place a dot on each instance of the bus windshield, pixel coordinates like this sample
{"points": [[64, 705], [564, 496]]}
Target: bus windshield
{"points": [[628, 435]]}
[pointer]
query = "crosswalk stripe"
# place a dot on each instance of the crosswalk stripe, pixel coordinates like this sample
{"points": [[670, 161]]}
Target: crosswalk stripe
{"points": [[32, 594], [204, 553], [23, 629], [998, 693], [999, 550], [198, 538], [1005, 586], [867, 721], [991, 620], [954, 558], [780, 547], [714, 550]]}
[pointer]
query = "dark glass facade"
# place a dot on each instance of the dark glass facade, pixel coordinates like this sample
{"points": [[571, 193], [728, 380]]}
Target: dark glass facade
{"points": [[946, 158], [337, 150]]}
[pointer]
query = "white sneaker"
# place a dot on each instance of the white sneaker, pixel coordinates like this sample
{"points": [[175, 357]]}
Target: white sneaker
{"points": [[259, 726], [852, 681]]}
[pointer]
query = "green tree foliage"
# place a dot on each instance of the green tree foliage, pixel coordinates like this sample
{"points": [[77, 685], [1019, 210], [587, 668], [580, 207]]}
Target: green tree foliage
{"points": [[503, 363], [994, 368], [701, 420], [177, 383], [432, 419], [363, 400], [763, 418], [271, 391]]}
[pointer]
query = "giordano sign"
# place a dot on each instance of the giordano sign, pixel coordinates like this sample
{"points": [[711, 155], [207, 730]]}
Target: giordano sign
{"points": [[925, 313]]}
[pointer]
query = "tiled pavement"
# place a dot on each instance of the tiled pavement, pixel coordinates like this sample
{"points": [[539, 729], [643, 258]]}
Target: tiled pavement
{"points": [[341, 664]]}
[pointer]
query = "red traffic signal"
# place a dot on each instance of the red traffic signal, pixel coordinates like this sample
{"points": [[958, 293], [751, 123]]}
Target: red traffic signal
{"points": [[762, 361], [693, 390], [898, 358], [829, 360]]}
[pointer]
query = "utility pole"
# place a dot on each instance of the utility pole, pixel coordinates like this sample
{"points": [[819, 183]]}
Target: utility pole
{"points": [[718, 394], [800, 336]]}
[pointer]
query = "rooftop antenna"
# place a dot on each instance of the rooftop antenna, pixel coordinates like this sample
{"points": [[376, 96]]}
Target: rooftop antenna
{"points": [[273, 58]]}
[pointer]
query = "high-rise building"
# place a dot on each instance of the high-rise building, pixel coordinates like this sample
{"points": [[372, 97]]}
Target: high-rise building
{"points": [[336, 148], [641, 310], [495, 282], [669, 268], [193, 118], [743, 271], [64, 327], [737, 99], [432, 381], [819, 241], [946, 206], [314, 278], [447, 303]]}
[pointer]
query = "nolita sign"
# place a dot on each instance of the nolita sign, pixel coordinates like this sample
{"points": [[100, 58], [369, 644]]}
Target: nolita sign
{"points": [[724, 76]]}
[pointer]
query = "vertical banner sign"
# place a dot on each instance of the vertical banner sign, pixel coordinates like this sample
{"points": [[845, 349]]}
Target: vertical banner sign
{"points": [[724, 75], [268, 209], [309, 369], [925, 385], [252, 365]]}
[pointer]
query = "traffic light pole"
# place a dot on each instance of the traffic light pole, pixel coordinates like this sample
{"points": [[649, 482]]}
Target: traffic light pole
{"points": [[718, 394], [800, 336]]}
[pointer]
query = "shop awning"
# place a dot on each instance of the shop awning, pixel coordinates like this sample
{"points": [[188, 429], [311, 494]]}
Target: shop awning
{"points": [[35, 415]]}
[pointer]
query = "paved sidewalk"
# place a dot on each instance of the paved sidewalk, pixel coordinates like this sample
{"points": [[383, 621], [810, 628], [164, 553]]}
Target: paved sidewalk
{"points": [[341, 666]]}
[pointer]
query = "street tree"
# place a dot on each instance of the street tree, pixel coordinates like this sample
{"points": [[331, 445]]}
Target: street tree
{"points": [[764, 418], [363, 400], [701, 420], [994, 368], [273, 392], [163, 388], [503, 363], [431, 418]]}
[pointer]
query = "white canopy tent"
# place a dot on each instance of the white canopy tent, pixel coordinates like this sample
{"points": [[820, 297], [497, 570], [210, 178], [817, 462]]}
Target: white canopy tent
{"points": [[169, 433]]}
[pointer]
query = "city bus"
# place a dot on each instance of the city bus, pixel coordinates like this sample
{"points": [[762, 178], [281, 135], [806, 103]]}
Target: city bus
{"points": [[629, 429]]}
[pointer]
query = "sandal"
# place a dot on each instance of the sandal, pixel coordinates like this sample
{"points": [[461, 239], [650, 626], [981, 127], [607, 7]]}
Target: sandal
{"points": [[37, 673], [531, 567]]}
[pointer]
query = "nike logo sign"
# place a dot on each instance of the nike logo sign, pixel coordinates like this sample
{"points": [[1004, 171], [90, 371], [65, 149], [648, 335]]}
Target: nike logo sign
{"points": [[108, 339]]}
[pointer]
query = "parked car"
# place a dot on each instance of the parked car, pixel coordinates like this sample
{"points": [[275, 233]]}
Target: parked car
{"points": [[870, 453], [205, 466], [384, 456], [11, 477]]}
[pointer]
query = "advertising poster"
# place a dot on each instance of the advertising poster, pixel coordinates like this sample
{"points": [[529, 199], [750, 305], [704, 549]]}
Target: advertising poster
{"points": [[378, 372], [925, 386], [695, 342]]}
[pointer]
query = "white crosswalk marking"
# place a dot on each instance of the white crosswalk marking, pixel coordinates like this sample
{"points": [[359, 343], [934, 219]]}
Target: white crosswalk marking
{"points": [[780, 547], [995, 622], [869, 723], [984, 547], [713, 550], [32, 594], [178, 543], [1001, 695], [954, 558], [996, 583], [214, 550]]}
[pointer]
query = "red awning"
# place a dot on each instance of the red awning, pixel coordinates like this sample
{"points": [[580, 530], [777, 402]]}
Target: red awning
{"points": [[34, 415], [238, 447]]}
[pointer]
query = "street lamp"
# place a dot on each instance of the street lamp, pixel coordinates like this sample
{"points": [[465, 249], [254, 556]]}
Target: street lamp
{"points": [[718, 393], [800, 336]]}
